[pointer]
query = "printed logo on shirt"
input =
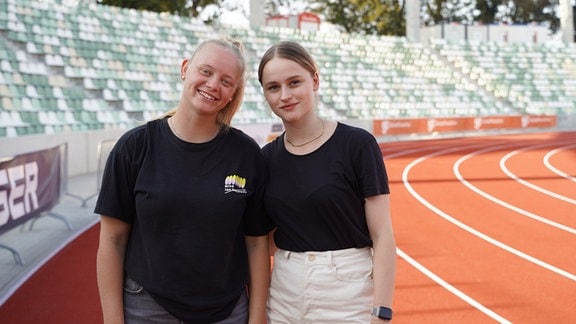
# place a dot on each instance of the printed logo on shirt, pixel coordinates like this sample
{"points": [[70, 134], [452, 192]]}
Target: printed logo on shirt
{"points": [[235, 183]]}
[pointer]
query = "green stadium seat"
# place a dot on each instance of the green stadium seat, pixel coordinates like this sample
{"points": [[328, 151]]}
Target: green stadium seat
{"points": [[59, 57]]}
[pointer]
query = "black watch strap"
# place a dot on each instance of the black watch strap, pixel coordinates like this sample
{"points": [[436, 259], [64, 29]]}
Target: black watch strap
{"points": [[382, 312]]}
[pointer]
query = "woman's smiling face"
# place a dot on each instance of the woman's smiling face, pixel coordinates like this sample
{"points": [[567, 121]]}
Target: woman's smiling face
{"points": [[211, 78], [289, 88]]}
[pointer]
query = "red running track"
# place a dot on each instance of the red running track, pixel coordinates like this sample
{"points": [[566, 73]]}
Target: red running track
{"points": [[63, 291], [485, 227]]}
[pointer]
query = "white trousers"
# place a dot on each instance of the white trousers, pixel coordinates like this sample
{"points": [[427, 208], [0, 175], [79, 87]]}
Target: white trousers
{"points": [[321, 287]]}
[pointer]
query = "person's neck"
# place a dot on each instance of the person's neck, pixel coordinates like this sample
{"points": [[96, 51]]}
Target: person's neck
{"points": [[193, 131], [307, 133]]}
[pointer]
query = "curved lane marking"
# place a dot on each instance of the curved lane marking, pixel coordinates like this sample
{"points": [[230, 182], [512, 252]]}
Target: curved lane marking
{"points": [[451, 288], [434, 277], [469, 229], [554, 169], [486, 195], [513, 176]]}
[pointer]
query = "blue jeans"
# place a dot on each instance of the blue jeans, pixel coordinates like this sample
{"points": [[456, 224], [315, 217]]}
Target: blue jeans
{"points": [[141, 308]]}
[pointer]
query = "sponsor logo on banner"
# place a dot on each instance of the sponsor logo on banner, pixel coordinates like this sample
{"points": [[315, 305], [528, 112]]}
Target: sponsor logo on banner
{"points": [[29, 185]]}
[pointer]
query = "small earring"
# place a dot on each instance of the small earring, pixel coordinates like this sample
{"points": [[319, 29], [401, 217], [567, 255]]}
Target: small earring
{"points": [[183, 77]]}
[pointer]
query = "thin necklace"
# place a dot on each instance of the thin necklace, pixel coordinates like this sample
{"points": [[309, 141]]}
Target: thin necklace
{"points": [[310, 141], [173, 128]]}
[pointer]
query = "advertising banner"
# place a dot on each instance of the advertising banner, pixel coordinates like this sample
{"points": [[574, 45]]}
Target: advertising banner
{"points": [[408, 126], [29, 185]]}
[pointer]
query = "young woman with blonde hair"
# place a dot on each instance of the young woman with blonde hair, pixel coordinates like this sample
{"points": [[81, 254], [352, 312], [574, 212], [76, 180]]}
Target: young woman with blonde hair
{"points": [[183, 237]]}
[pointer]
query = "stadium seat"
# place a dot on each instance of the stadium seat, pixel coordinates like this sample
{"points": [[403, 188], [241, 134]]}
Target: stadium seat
{"points": [[82, 65]]}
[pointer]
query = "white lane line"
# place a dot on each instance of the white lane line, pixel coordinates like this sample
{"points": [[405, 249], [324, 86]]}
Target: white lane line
{"points": [[486, 195], [469, 229], [554, 169], [451, 288], [509, 173]]}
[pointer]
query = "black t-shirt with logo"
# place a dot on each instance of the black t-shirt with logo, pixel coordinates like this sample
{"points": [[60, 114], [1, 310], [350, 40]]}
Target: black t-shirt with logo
{"points": [[190, 207]]}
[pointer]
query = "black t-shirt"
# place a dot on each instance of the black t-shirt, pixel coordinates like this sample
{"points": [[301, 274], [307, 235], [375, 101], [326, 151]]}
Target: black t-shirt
{"points": [[190, 207], [317, 199]]}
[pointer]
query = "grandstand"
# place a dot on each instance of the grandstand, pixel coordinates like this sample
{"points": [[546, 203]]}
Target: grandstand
{"points": [[92, 71]]}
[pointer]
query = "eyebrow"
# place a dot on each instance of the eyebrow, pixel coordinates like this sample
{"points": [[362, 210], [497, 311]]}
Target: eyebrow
{"points": [[213, 68], [288, 78]]}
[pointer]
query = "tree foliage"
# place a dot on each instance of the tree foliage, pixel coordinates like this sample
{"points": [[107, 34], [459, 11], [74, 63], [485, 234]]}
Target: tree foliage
{"points": [[487, 10], [438, 11], [375, 17], [380, 17], [532, 11], [493, 12]]}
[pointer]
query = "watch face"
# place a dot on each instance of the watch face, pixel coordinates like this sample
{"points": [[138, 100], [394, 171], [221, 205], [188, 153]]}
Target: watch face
{"points": [[383, 313]]}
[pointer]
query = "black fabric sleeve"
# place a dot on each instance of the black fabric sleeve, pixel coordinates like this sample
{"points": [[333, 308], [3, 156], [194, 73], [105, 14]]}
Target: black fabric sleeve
{"points": [[116, 197], [371, 170]]}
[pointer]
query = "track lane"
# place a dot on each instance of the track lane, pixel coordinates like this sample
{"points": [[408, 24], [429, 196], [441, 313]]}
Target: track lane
{"points": [[481, 270], [418, 298], [561, 161], [523, 199], [488, 217], [423, 228], [539, 177], [62, 291]]}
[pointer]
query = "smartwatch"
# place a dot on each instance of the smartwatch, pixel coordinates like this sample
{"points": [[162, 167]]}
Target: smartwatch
{"points": [[381, 312]]}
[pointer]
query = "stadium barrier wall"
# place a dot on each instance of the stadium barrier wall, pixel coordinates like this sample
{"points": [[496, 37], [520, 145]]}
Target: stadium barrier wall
{"points": [[82, 147], [434, 125], [528, 33]]}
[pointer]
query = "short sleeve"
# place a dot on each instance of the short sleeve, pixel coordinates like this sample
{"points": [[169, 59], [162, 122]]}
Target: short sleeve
{"points": [[116, 196], [371, 170]]}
